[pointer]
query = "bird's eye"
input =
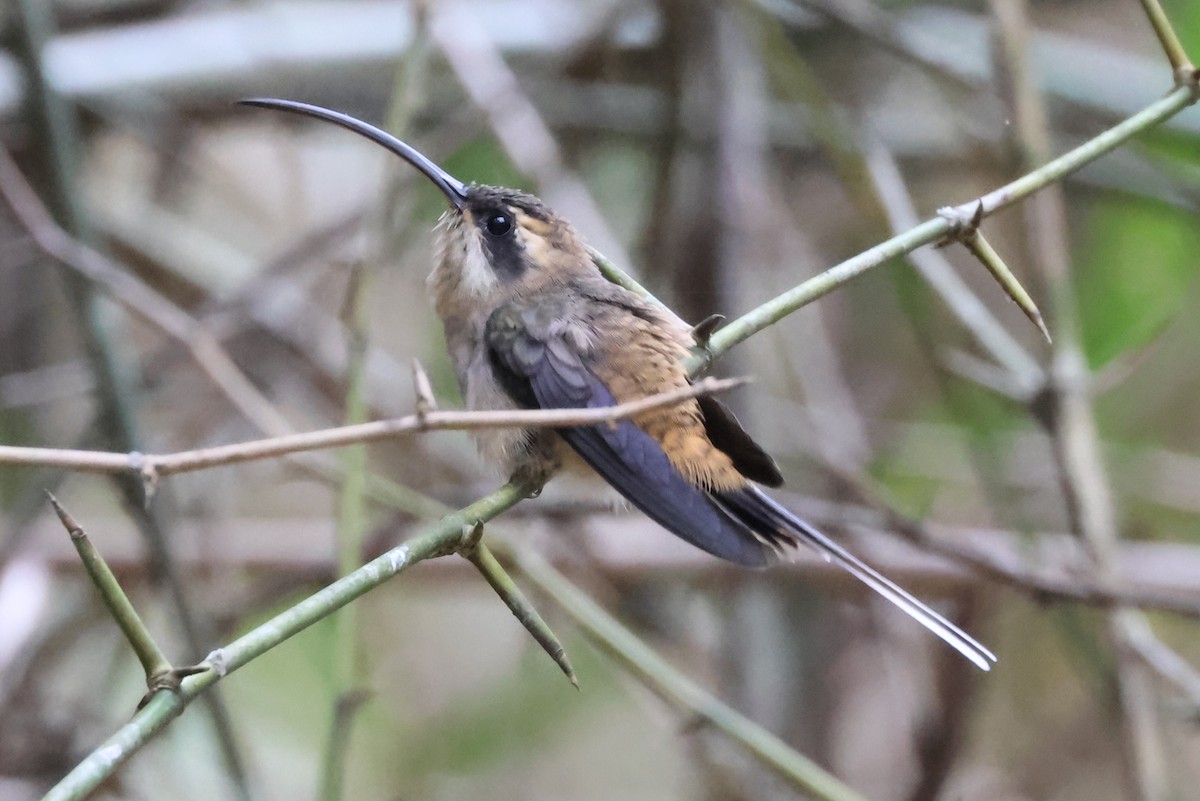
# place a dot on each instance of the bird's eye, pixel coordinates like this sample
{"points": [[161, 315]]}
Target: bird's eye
{"points": [[499, 223]]}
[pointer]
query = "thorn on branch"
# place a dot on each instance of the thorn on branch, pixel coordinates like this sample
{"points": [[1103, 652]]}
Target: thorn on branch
{"points": [[471, 536], [702, 334], [500, 581], [964, 221], [704, 329], [154, 663], [72, 527], [426, 402], [169, 680]]}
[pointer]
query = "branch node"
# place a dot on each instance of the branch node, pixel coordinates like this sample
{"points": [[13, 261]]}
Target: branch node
{"points": [[145, 467], [1189, 75], [964, 221], [170, 679], [166, 680], [150, 479], [471, 535]]}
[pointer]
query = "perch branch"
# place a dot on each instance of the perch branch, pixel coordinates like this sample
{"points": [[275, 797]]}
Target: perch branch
{"points": [[155, 466]]}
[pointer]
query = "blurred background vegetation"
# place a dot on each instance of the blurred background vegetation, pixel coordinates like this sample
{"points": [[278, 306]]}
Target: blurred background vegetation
{"points": [[723, 152]]}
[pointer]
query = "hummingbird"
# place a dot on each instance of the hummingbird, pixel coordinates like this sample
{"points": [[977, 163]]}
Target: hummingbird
{"points": [[531, 323]]}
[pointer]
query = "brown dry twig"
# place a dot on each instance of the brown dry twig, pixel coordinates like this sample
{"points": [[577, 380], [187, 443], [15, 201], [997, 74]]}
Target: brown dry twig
{"points": [[152, 467]]}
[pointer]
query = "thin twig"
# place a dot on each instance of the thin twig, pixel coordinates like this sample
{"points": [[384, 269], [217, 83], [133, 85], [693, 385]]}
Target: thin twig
{"points": [[1181, 65], [154, 466]]}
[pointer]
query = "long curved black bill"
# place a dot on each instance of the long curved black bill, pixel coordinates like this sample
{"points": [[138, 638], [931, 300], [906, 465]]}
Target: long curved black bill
{"points": [[454, 189]]}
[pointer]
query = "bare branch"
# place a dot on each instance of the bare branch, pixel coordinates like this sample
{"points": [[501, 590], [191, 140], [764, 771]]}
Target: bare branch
{"points": [[153, 466]]}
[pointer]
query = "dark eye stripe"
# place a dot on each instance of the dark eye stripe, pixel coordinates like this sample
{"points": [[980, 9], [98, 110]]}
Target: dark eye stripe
{"points": [[505, 253]]}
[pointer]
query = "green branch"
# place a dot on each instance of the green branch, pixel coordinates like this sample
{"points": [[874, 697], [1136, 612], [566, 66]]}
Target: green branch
{"points": [[439, 539], [351, 533], [1181, 65], [938, 228]]}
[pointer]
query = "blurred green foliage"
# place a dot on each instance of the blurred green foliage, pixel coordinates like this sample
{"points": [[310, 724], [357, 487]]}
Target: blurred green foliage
{"points": [[1136, 266]]}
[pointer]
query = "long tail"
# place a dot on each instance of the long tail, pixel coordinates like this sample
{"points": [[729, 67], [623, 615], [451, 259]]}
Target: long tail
{"points": [[766, 517]]}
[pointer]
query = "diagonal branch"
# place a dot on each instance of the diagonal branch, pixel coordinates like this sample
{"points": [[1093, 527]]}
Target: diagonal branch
{"points": [[441, 538], [1181, 65], [936, 229]]}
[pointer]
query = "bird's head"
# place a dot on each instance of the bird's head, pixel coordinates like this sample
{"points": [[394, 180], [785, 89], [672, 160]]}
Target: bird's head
{"points": [[492, 244]]}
